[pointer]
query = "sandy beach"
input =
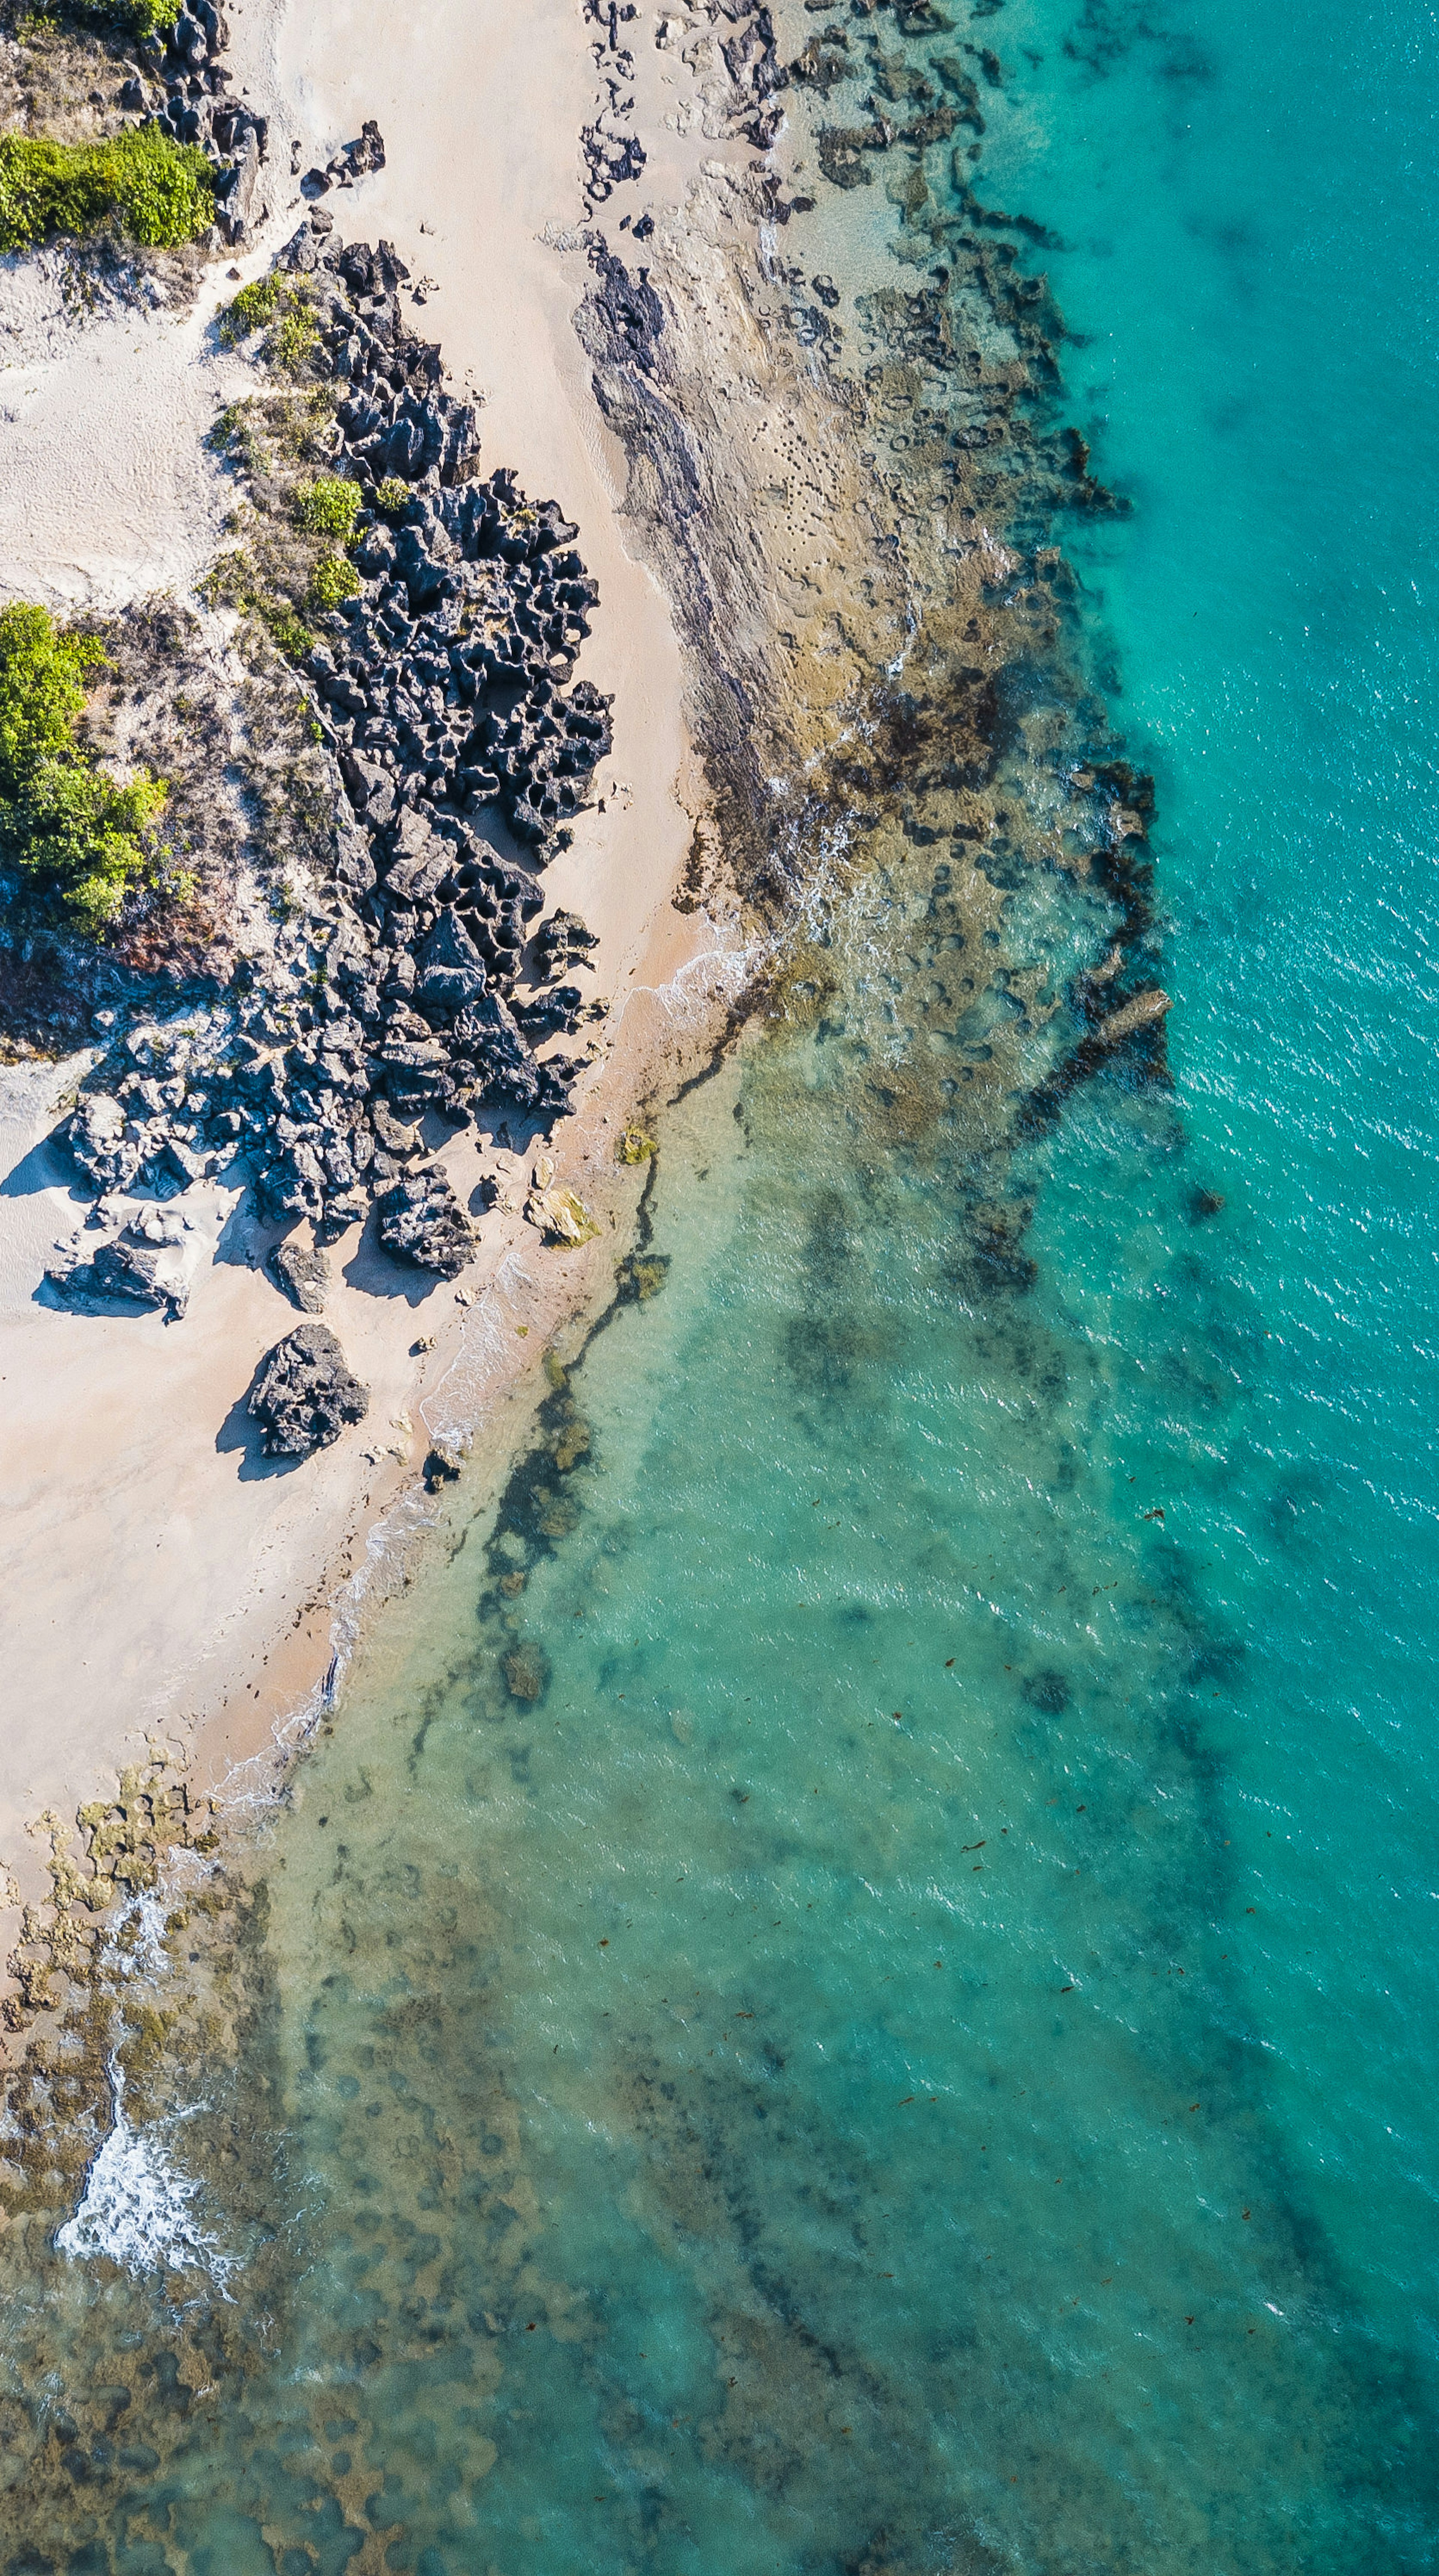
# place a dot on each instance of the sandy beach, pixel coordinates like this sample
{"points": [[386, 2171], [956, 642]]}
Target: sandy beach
{"points": [[164, 1583]]}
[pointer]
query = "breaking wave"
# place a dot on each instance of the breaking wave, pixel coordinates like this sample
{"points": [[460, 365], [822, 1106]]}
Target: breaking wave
{"points": [[138, 2208]]}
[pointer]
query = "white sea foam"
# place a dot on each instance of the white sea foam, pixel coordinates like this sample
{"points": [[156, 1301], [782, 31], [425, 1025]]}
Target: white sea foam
{"points": [[139, 2208]]}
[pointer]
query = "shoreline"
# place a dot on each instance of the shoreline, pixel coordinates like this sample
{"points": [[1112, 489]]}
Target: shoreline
{"points": [[200, 1580], [724, 489]]}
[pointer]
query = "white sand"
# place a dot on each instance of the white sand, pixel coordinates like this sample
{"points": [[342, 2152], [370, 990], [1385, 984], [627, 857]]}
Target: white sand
{"points": [[156, 1584]]}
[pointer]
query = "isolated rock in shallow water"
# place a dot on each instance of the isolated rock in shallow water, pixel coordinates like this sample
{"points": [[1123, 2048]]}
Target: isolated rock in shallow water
{"points": [[421, 1220], [302, 1271], [306, 1394], [1143, 1012]]}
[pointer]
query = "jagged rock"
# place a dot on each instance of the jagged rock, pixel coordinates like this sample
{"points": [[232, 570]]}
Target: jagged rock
{"points": [[421, 860], [343, 1208], [237, 206], [421, 1220], [147, 1261], [505, 1066], [392, 1135], [302, 1271], [295, 1184], [306, 1393], [425, 575], [96, 1136], [354, 867], [451, 970], [439, 689], [562, 941], [370, 787]]}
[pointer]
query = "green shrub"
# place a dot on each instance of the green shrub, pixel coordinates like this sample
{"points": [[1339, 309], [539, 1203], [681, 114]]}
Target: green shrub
{"points": [[393, 494], [289, 631], [294, 339], [276, 300], [333, 579], [328, 507], [255, 305], [80, 839], [155, 191], [138, 17]]}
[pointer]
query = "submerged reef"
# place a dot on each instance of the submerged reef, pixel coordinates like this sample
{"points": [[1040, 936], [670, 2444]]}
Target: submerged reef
{"points": [[862, 487]]}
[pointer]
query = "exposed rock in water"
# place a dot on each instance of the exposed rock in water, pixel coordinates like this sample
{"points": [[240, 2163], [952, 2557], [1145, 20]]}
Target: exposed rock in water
{"points": [[303, 1272], [306, 1394], [421, 1220]]}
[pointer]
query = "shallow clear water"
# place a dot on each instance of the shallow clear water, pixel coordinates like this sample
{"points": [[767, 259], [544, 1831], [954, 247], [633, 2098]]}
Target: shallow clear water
{"points": [[873, 2011]]}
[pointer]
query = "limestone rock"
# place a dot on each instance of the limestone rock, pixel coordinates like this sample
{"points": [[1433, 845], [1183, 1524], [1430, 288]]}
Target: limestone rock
{"points": [[151, 1260], [97, 1139], [421, 1220], [306, 1393], [451, 969], [560, 1214], [303, 1272]]}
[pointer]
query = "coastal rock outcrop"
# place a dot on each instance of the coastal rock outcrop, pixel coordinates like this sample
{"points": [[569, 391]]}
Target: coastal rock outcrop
{"points": [[151, 1260], [443, 688], [303, 1272], [306, 1394], [422, 1221]]}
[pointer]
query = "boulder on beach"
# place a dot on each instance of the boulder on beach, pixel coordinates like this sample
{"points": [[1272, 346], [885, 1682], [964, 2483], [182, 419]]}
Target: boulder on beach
{"points": [[306, 1393], [303, 1272], [151, 1260], [421, 1220], [108, 1156]]}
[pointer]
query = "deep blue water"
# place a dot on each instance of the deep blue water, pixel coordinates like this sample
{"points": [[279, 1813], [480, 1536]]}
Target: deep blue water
{"points": [[853, 1986]]}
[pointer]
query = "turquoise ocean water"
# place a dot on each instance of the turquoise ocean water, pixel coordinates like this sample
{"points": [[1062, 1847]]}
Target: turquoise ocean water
{"points": [[853, 1988]]}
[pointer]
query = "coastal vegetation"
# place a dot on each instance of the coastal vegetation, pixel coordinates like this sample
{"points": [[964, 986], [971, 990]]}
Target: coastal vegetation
{"points": [[281, 306], [139, 184], [136, 18], [295, 526], [78, 839]]}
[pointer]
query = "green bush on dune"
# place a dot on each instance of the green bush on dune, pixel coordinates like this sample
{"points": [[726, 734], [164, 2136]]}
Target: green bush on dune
{"points": [[139, 18], [329, 507], [158, 192], [77, 839]]}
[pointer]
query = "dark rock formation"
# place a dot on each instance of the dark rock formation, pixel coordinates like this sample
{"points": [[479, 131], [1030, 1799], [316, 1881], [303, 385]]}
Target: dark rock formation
{"points": [[304, 1274], [186, 60], [445, 691], [421, 1220], [306, 1394], [146, 1261]]}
